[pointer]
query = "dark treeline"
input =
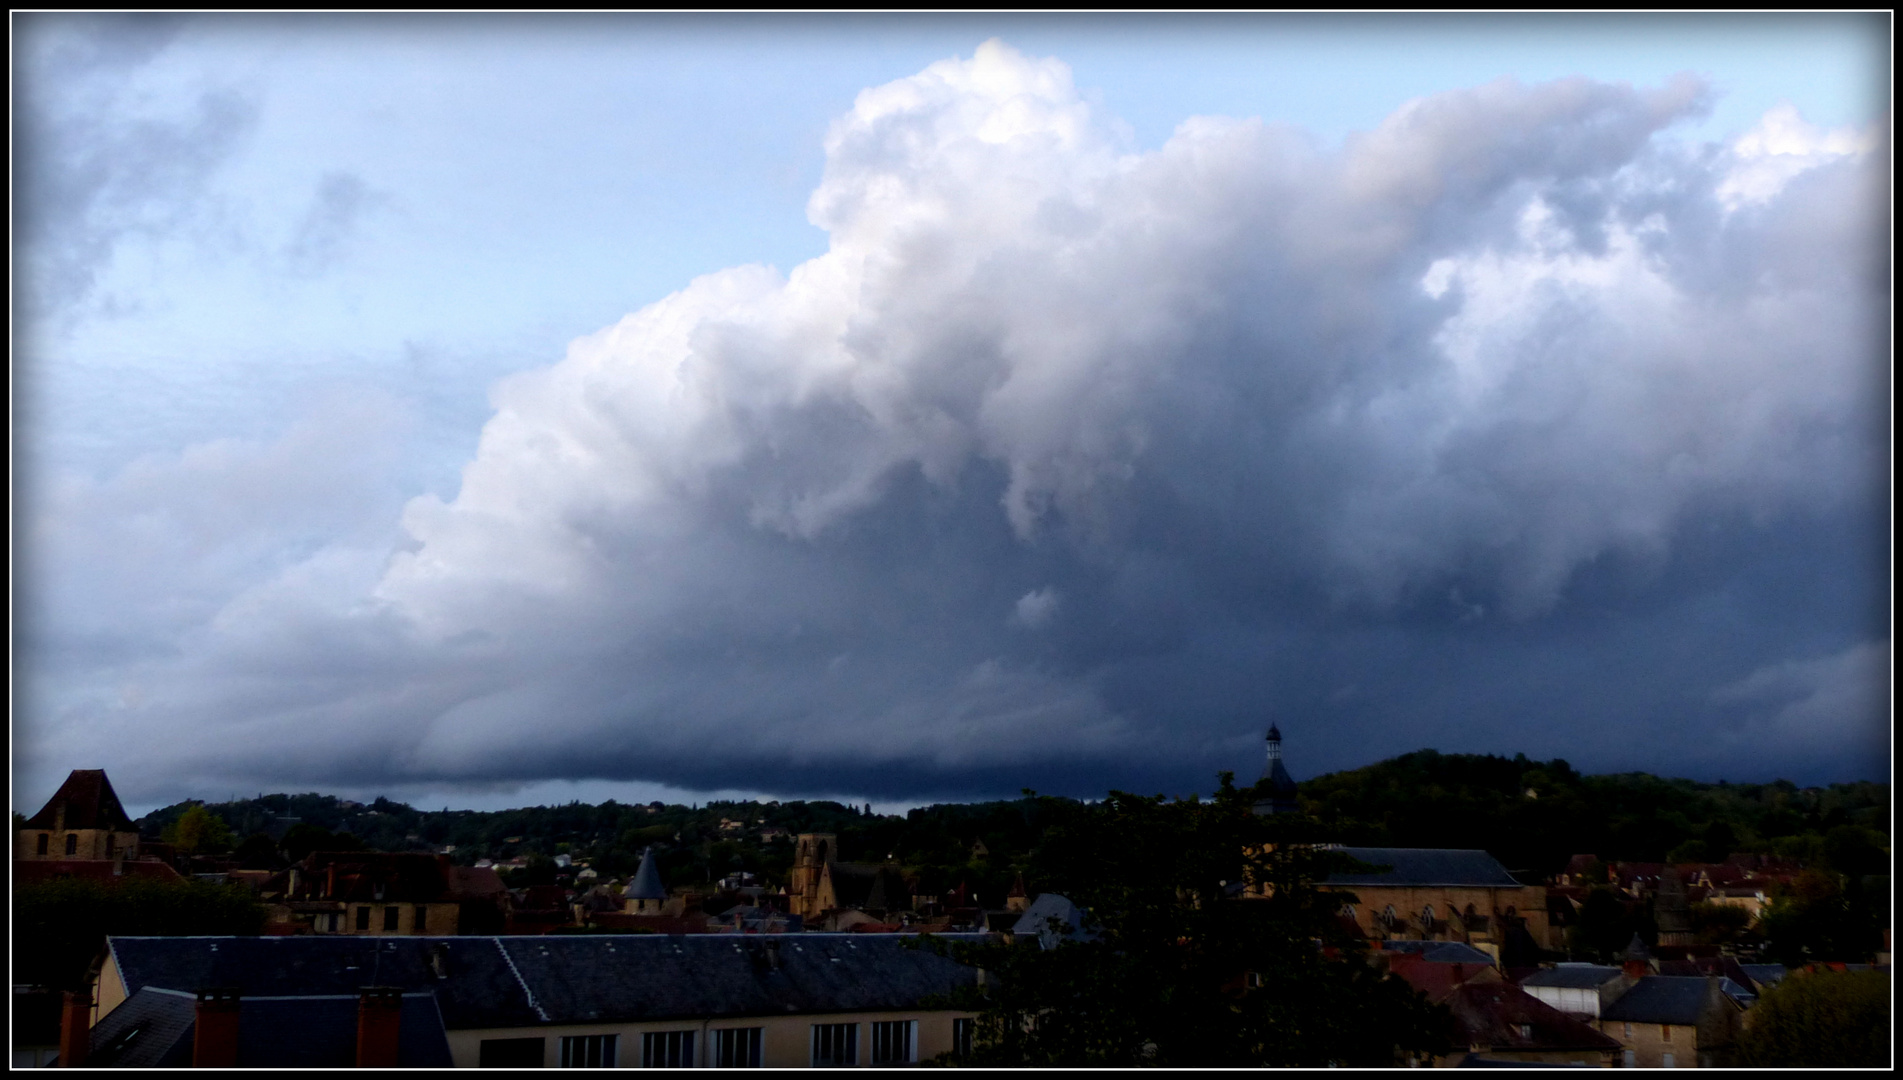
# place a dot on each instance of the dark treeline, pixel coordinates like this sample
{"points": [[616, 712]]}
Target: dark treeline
{"points": [[1533, 815]]}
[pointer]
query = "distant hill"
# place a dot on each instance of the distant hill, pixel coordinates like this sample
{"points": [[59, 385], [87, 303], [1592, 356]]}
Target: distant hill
{"points": [[1533, 815]]}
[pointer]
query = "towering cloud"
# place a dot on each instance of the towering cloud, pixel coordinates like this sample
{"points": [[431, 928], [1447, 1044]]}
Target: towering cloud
{"points": [[1067, 463]]}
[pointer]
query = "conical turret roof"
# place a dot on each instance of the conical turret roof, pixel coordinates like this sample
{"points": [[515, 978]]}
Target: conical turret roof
{"points": [[647, 880]]}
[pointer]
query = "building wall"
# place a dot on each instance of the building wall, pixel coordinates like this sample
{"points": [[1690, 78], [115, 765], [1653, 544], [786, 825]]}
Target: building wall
{"points": [[90, 844], [1651, 1042], [786, 1042], [1593, 1058]]}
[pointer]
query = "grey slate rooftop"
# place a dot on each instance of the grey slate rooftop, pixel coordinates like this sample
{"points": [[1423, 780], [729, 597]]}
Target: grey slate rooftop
{"points": [[155, 1027], [1425, 866], [1574, 976], [482, 982], [1661, 999]]}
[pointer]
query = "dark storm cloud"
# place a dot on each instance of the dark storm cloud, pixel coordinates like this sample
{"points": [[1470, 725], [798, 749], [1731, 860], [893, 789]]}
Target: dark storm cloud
{"points": [[1511, 425]]}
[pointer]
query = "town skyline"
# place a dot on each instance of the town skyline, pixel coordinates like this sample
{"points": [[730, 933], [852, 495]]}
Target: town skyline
{"points": [[911, 410]]}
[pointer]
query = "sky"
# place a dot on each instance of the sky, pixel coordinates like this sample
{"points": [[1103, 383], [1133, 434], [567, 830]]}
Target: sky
{"points": [[497, 410]]}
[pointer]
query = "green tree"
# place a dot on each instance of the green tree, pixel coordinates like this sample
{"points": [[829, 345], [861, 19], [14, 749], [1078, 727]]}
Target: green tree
{"points": [[59, 926], [1179, 971], [1816, 918], [1822, 1019], [198, 831]]}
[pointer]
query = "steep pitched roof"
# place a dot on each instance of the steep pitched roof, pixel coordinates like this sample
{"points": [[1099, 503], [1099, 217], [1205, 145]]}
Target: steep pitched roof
{"points": [[567, 979], [647, 881], [89, 801], [1505, 1017], [1663, 999], [1425, 866]]}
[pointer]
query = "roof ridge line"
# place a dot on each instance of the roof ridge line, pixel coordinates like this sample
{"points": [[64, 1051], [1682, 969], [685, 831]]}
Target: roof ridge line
{"points": [[524, 983]]}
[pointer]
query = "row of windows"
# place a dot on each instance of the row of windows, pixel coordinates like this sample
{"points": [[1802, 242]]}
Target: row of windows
{"points": [[72, 844], [894, 1042]]}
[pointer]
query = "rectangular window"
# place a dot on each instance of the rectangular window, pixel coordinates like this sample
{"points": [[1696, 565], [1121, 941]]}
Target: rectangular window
{"points": [[1665, 1032], [510, 1054], [420, 923], [43, 839], [588, 1051], [363, 918], [737, 1048], [1628, 1031], [894, 1042], [1668, 1061], [1631, 1059], [835, 1044], [390, 918], [667, 1050], [963, 1028]]}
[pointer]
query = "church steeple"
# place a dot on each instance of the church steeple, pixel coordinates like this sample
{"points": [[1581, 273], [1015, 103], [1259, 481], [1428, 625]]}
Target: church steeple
{"points": [[1281, 797]]}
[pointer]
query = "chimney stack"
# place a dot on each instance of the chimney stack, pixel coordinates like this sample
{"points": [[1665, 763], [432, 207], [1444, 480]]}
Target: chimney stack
{"points": [[75, 1028], [379, 1022], [215, 1040]]}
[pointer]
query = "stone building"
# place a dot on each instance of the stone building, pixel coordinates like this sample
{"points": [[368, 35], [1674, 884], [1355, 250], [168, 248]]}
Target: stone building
{"points": [[83, 820]]}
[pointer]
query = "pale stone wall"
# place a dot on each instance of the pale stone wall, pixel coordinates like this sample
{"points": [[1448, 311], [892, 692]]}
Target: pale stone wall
{"points": [[91, 844]]}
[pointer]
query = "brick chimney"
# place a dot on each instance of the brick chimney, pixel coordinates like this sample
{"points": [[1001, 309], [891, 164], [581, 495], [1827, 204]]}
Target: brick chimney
{"points": [[75, 1028], [215, 1040], [379, 1021]]}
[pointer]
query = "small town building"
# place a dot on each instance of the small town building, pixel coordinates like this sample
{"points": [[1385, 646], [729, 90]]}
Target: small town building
{"points": [[823, 1000], [1442, 894], [83, 821], [1579, 990], [376, 894], [1675, 1021]]}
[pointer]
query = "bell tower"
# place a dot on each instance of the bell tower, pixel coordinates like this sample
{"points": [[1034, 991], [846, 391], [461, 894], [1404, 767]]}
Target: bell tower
{"points": [[810, 858], [1281, 794]]}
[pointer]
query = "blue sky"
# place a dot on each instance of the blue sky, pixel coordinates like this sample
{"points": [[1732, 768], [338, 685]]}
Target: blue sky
{"points": [[273, 272]]}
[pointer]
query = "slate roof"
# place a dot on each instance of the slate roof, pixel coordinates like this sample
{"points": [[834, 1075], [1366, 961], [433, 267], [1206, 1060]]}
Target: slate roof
{"points": [[1425, 866], [90, 804], [478, 990], [567, 979], [1661, 999], [1574, 976], [155, 1028], [1765, 975], [1036, 921], [646, 884]]}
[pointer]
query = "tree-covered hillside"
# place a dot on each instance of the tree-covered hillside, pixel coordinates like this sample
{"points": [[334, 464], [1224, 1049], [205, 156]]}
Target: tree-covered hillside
{"points": [[1534, 815]]}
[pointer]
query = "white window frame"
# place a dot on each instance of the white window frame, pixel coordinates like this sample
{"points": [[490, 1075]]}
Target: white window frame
{"points": [[728, 1043], [605, 1046], [651, 1041], [905, 1029], [851, 1034]]}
